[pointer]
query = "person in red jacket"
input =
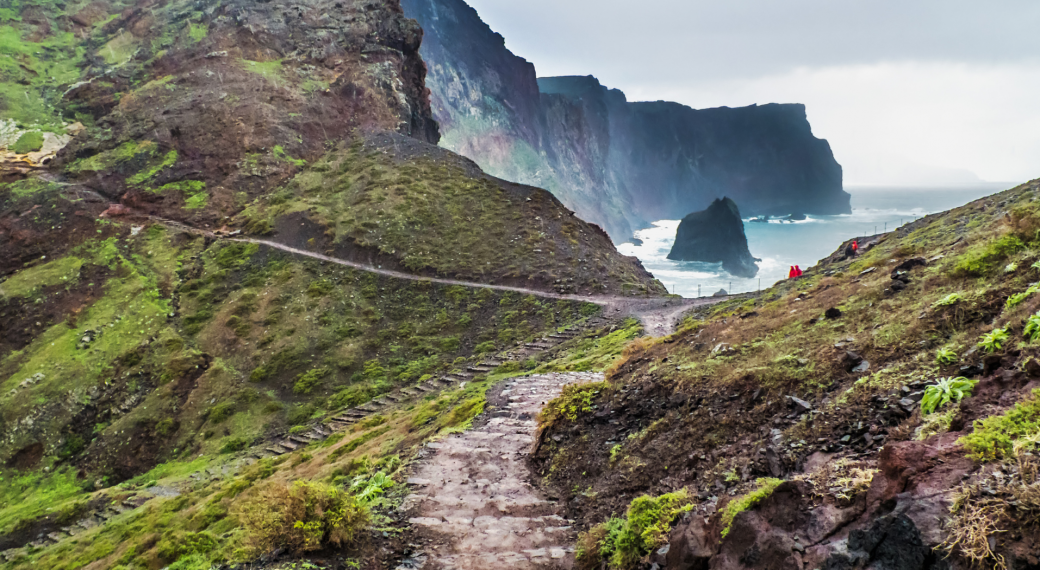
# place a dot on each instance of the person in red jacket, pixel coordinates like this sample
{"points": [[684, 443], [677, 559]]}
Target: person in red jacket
{"points": [[855, 247], [791, 274], [797, 271]]}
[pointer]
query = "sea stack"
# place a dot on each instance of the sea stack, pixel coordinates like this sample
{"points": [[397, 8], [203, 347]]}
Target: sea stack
{"points": [[715, 235]]}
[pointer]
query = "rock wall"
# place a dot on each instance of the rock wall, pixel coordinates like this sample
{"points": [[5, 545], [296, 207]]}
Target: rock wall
{"points": [[618, 164]]}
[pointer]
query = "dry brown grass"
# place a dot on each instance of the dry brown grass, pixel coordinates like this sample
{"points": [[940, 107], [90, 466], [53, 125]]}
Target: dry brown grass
{"points": [[843, 480]]}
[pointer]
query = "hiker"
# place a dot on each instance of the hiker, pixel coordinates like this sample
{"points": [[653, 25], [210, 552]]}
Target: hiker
{"points": [[791, 274], [855, 247], [850, 249], [797, 271]]}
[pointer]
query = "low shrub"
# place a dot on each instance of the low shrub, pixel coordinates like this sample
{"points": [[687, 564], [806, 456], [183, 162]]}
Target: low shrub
{"points": [[622, 543], [979, 262], [576, 399], [996, 437], [301, 517]]}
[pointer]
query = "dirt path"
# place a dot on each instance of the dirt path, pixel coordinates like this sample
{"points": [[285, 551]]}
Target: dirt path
{"points": [[659, 315], [472, 503]]}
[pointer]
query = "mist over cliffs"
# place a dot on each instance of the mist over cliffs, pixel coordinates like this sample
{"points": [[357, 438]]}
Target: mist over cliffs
{"points": [[618, 164]]}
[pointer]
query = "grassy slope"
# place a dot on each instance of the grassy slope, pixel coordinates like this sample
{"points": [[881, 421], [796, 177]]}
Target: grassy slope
{"points": [[189, 350], [688, 417], [432, 212]]}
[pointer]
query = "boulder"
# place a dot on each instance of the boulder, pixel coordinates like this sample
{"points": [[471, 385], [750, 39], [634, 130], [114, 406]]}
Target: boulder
{"points": [[715, 235], [832, 313]]}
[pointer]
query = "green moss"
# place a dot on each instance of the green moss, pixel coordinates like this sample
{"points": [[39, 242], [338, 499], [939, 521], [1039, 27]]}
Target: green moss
{"points": [[766, 486], [269, 69], [986, 259], [63, 270], [151, 171], [34, 75], [280, 154], [109, 159], [575, 400], [31, 141], [596, 353], [197, 32], [996, 437], [622, 543]]}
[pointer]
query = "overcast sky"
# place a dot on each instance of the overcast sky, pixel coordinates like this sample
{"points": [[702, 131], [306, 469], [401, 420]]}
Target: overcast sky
{"points": [[907, 91]]}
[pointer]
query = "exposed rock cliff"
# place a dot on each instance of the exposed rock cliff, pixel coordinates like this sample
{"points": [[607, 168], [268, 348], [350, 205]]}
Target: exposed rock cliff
{"points": [[616, 163], [715, 235]]}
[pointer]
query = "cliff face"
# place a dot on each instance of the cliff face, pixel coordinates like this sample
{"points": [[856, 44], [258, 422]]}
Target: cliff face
{"points": [[715, 235], [616, 163]]}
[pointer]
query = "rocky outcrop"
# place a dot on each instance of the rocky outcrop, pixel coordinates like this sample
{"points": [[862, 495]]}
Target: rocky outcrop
{"points": [[715, 235], [618, 164], [234, 96]]}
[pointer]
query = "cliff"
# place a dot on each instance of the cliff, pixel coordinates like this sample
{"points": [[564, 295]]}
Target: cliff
{"points": [[715, 235], [618, 164]]}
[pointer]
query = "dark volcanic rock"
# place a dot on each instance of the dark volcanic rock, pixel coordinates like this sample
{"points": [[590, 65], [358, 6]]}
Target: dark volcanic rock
{"points": [[715, 235], [617, 163]]}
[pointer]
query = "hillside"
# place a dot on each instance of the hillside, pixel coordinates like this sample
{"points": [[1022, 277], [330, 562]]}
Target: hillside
{"points": [[618, 164], [795, 428], [176, 394]]}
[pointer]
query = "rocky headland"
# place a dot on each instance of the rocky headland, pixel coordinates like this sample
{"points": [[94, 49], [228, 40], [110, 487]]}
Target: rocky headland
{"points": [[715, 235], [618, 164]]}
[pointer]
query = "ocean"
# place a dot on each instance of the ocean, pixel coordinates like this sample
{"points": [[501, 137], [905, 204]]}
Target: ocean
{"points": [[781, 245]]}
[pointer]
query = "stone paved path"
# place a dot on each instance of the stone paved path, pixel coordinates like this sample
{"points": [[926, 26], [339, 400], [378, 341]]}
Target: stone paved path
{"points": [[472, 497]]}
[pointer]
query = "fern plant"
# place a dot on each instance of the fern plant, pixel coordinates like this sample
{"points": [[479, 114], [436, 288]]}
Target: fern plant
{"points": [[1011, 268], [367, 489], [994, 341], [945, 357], [1032, 331], [951, 299], [1035, 265], [946, 391]]}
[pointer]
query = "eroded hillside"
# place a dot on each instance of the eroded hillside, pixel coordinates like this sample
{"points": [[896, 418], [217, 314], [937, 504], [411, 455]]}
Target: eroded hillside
{"points": [[878, 412]]}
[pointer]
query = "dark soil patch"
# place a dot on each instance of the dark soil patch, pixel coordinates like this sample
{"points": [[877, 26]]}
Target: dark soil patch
{"points": [[24, 318]]}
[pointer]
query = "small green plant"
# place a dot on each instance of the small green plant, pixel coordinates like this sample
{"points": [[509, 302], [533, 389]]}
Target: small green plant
{"points": [[1032, 331], [1035, 265], [766, 486], [993, 341], [622, 543], [1000, 437], [29, 142], [951, 299], [1011, 268], [946, 391], [945, 357], [1017, 299], [615, 451]]}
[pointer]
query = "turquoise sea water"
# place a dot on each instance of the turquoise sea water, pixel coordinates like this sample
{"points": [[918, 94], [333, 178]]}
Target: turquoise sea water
{"points": [[781, 245]]}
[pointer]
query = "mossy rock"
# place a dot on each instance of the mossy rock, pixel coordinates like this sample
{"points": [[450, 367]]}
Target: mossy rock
{"points": [[31, 141]]}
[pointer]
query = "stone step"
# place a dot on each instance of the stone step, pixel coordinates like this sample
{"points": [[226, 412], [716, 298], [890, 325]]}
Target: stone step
{"points": [[423, 388], [382, 401], [539, 345], [395, 398], [288, 445], [411, 393], [357, 413], [318, 430], [300, 439], [479, 369], [276, 449], [344, 419], [370, 407]]}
